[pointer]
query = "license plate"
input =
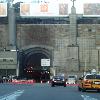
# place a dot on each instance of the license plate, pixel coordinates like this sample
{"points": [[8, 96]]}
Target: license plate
{"points": [[97, 82]]}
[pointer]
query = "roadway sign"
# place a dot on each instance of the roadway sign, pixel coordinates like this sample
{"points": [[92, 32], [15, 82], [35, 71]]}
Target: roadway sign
{"points": [[43, 9], [3, 9], [45, 62]]}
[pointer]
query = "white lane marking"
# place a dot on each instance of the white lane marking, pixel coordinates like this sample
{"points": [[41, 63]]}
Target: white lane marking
{"points": [[12, 96], [85, 97]]}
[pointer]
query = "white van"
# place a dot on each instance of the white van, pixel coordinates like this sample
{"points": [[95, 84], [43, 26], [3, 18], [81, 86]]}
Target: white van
{"points": [[71, 79]]}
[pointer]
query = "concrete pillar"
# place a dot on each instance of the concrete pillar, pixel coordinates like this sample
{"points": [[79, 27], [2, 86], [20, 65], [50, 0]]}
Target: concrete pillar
{"points": [[11, 25], [12, 31], [73, 27], [73, 58], [73, 49]]}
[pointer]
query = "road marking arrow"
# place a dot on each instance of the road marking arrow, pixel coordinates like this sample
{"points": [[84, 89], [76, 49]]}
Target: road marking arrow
{"points": [[85, 97], [12, 96]]}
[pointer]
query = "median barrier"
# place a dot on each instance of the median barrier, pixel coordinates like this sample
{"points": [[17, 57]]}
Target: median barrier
{"points": [[71, 84], [23, 81]]}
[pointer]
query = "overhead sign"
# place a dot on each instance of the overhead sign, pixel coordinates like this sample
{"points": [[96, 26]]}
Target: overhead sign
{"points": [[43, 9], [92, 9], [3, 9], [45, 62]]}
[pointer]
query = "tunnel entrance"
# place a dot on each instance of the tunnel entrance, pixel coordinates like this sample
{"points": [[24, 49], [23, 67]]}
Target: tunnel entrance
{"points": [[33, 68], [31, 65]]}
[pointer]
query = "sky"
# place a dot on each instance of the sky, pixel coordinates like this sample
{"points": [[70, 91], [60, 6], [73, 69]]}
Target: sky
{"points": [[78, 3], [69, 1]]}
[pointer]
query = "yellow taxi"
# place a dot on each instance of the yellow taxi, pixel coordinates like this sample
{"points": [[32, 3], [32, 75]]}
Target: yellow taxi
{"points": [[89, 82]]}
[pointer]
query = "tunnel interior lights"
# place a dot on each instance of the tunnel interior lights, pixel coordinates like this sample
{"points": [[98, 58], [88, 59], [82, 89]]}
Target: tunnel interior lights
{"points": [[13, 50], [29, 71]]}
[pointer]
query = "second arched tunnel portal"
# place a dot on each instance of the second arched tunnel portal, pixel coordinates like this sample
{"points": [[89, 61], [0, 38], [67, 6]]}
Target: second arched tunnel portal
{"points": [[30, 63]]}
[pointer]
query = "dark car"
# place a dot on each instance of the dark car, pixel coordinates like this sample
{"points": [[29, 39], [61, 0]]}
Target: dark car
{"points": [[59, 81]]}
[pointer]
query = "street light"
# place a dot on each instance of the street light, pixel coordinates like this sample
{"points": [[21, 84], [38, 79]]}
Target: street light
{"points": [[98, 48], [6, 71], [98, 61], [73, 2]]}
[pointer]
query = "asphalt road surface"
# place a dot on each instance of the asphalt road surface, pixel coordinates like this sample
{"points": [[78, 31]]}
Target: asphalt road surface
{"points": [[44, 92]]}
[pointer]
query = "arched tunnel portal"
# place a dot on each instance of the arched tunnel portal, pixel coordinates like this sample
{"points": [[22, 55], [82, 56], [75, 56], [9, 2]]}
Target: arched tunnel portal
{"points": [[30, 63]]}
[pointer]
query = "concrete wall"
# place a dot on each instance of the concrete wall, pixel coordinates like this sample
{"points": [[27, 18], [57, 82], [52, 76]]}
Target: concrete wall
{"points": [[57, 37], [8, 60], [4, 36]]}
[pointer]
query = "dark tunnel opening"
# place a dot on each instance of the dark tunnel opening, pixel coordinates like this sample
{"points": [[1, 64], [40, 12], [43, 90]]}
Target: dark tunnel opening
{"points": [[32, 67]]}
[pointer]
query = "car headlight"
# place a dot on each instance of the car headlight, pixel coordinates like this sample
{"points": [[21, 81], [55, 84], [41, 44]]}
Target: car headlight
{"points": [[63, 80]]}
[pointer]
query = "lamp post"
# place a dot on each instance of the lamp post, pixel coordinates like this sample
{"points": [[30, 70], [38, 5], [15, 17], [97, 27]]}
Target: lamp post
{"points": [[17, 69], [6, 71], [98, 61], [98, 48], [73, 2]]}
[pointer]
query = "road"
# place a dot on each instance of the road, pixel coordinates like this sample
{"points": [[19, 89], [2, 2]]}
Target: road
{"points": [[44, 92]]}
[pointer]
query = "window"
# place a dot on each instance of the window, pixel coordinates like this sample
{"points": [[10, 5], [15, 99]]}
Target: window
{"points": [[93, 77]]}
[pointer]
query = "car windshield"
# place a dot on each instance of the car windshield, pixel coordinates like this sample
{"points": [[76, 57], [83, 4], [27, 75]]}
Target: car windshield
{"points": [[93, 77]]}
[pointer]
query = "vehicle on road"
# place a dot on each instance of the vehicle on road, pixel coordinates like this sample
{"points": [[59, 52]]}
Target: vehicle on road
{"points": [[59, 81], [72, 79], [89, 82]]}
